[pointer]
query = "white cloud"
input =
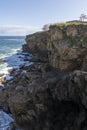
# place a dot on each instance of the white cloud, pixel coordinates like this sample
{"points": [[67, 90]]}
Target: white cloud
{"points": [[15, 30]]}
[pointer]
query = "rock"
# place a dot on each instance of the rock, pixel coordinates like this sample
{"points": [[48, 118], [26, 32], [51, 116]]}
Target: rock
{"points": [[49, 103], [2, 60], [71, 31], [10, 70], [1, 74], [2, 80], [66, 52], [37, 103], [4, 100], [39, 50]]}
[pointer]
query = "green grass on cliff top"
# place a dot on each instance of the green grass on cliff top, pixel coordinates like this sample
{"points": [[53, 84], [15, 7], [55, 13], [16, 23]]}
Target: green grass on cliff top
{"points": [[75, 22]]}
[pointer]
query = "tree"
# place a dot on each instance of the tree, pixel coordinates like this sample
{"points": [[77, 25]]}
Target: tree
{"points": [[83, 17], [46, 27]]}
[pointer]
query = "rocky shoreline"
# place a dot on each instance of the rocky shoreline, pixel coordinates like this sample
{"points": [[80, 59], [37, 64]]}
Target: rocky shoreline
{"points": [[51, 93]]}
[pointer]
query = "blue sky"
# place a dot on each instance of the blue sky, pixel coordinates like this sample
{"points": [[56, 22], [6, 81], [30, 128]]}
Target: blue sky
{"points": [[20, 17]]}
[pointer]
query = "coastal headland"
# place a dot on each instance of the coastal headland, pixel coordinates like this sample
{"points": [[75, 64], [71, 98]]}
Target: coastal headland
{"points": [[51, 93]]}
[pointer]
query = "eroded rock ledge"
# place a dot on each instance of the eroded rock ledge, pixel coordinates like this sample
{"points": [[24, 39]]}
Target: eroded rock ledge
{"points": [[52, 94]]}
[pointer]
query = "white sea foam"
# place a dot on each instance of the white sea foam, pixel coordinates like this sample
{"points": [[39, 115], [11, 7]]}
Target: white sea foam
{"points": [[13, 39]]}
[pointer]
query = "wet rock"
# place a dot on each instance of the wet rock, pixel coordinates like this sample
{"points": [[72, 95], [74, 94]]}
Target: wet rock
{"points": [[2, 79], [10, 70], [2, 60], [2, 74]]}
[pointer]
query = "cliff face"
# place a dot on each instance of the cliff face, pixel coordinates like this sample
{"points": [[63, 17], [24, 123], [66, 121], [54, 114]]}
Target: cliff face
{"points": [[52, 94], [37, 45], [65, 46]]}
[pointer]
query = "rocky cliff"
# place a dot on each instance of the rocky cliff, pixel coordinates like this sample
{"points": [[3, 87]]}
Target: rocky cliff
{"points": [[52, 94], [65, 45]]}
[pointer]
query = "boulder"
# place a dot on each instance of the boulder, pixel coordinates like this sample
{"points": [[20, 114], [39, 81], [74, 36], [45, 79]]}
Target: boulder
{"points": [[2, 60]]}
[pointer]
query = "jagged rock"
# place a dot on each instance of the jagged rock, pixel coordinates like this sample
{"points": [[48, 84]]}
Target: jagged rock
{"points": [[69, 51], [52, 101], [37, 46], [73, 87], [71, 31]]}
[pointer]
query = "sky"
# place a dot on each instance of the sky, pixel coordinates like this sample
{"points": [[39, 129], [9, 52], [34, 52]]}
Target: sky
{"points": [[22, 17]]}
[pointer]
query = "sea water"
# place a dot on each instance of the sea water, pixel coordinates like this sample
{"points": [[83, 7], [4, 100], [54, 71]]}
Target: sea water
{"points": [[10, 51]]}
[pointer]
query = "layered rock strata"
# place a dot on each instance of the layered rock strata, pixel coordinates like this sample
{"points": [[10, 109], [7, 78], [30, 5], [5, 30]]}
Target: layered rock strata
{"points": [[64, 45]]}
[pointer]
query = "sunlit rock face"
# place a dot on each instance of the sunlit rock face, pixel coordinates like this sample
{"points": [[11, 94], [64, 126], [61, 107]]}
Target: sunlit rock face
{"points": [[37, 46], [67, 49], [63, 45]]}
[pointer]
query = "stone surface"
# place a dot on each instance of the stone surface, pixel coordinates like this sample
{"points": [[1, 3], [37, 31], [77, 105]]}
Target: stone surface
{"points": [[2, 60], [37, 46], [70, 49]]}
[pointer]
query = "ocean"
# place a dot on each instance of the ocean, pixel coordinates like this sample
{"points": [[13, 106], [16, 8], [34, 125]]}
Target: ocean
{"points": [[11, 53], [9, 47]]}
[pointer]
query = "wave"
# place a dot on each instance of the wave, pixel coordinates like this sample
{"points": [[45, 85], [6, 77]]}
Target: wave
{"points": [[17, 40]]}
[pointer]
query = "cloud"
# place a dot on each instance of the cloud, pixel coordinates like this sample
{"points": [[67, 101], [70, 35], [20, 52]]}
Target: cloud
{"points": [[14, 30]]}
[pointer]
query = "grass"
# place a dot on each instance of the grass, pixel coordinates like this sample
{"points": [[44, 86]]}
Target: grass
{"points": [[74, 22]]}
